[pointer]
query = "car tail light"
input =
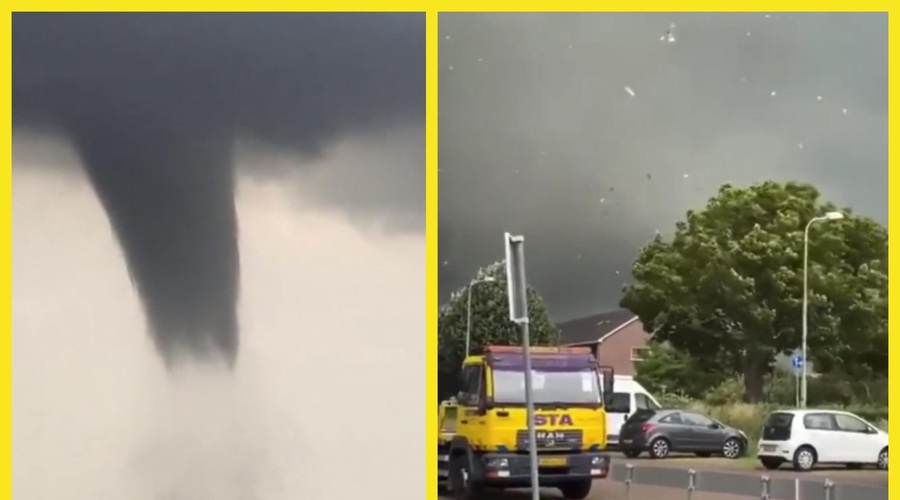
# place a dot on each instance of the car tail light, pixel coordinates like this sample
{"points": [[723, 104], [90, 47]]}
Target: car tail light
{"points": [[648, 428]]}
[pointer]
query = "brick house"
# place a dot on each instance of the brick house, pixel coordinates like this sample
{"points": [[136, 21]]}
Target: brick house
{"points": [[617, 338]]}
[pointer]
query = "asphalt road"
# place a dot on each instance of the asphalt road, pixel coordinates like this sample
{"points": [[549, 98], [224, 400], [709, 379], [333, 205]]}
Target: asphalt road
{"points": [[609, 490], [721, 479]]}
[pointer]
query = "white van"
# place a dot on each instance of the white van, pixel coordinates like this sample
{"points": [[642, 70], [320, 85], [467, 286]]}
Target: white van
{"points": [[628, 397]]}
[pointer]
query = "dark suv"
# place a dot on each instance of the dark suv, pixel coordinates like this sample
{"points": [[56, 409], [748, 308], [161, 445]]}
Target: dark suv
{"points": [[660, 432]]}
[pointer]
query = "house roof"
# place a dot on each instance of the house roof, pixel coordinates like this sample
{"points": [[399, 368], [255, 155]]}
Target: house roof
{"points": [[595, 327]]}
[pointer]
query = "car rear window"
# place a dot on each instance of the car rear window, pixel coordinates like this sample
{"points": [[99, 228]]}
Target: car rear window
{"points": [[778, 427], [641, 416]]}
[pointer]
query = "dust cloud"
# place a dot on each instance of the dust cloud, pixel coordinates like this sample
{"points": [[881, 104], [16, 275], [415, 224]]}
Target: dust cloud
{"points": [[327, 313]]}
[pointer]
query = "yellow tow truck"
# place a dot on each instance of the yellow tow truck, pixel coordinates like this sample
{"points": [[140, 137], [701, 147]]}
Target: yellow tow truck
{"points": [[483, 435]]}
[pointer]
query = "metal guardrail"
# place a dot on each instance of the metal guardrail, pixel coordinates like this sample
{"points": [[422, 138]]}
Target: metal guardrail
{"points": [[746, 485]]}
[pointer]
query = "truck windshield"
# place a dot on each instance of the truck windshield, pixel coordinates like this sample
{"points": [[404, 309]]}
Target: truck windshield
{"points": [[553, 386]]}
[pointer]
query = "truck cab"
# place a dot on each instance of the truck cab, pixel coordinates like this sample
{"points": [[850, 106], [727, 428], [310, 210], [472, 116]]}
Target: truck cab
{"points": [[488, 445]]}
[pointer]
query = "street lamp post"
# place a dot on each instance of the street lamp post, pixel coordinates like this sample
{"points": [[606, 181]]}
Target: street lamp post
{"points": [[827, 216], [486, 279]]}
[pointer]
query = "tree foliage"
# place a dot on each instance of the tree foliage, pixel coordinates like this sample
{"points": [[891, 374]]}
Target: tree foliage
{"points": [[490, 323], [665, 369], [727, 288]]}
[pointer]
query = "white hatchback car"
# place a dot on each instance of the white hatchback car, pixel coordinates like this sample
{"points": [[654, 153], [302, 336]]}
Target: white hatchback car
{"points": [[807, 437]]}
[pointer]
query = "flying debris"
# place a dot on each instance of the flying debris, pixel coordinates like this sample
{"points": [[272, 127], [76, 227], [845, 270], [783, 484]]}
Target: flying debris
{"points": [[611, 189], [571, 46], [800, 146], [668, 36], [649, 177], [686, 176], [630, 92], [773, 94], [451, 68], [748, 33], [818, 98], [844, 111], [602, 200]]}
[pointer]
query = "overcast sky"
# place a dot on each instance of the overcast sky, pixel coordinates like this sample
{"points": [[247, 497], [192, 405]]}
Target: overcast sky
{"points": [[290, 84], [162, 109], [587, 133]]}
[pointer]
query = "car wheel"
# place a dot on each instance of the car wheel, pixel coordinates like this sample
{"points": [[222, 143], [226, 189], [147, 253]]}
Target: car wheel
{"points": [[804, 458], [733, 448], [882, 459], [576, 491], [771, 463], [631, 453], [659, 448]]}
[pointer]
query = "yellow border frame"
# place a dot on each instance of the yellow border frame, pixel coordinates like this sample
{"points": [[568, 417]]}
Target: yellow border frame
{"points": [[893, 207], [6, 272], [431, 142], [431, 237]]}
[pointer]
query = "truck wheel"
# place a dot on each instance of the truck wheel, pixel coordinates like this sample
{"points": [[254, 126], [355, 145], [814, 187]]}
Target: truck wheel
{"points": [[461, 485], [576, 491]]}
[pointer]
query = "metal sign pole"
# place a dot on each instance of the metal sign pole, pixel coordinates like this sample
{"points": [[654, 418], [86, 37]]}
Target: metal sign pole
{"points": [[529, 409], [798, 362], [518, 313]]}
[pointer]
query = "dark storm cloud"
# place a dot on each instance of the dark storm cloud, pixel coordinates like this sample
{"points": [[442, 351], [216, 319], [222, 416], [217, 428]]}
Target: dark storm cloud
{"points": [[539, 136], [153, 104]]}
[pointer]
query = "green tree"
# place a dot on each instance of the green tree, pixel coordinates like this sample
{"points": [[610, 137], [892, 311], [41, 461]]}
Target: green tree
{"points": [[490, 324], [665, 369], [727, 289]]}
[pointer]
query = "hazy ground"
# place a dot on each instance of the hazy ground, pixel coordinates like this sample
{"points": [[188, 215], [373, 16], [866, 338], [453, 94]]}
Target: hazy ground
{"points": [[331, 323]]}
